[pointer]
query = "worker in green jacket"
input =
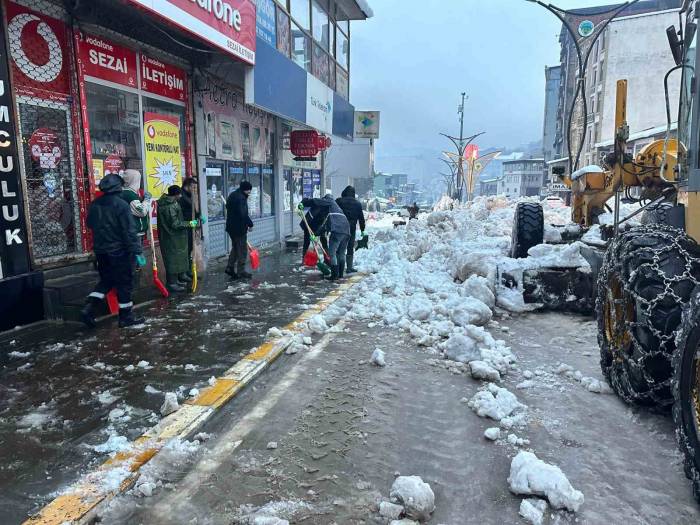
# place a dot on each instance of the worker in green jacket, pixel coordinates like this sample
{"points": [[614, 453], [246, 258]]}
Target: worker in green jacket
{"points": [[140, 207], [172, 234]]}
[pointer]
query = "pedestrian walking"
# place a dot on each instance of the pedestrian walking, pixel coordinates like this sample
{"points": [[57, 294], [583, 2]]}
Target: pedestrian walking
{"points": [[336, 223], [117, 250], [353, 211], [140, 207], [238, 224], [172, 234], [413, 211]]}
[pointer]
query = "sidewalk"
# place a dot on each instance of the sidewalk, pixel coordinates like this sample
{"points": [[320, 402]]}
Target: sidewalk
{"points": [[64, 390], [320, 437]]}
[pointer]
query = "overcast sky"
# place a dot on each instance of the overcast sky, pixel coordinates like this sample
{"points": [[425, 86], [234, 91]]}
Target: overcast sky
{"points": [[414, 58]]}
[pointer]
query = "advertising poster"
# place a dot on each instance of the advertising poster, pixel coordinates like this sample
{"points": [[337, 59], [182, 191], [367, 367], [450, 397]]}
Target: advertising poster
{"points": [[98, 170], [265, 22], [162, 162]]}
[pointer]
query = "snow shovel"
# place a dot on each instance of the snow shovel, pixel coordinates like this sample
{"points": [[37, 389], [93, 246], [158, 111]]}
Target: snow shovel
{"points": [[112, 301], [158, 283], [254, 256], [320, 264]]}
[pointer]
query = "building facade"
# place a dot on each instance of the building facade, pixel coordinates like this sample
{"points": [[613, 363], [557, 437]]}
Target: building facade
{"points": [[521, 178], [350, 164], [98, 89]]}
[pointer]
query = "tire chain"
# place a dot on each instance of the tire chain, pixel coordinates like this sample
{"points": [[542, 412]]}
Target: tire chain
{"points": [[674, 242]]}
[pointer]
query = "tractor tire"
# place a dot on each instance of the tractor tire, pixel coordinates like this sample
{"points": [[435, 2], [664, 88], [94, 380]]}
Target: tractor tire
{"points": [[657, 214], [528, 228], [686, 392], [646, 280]]}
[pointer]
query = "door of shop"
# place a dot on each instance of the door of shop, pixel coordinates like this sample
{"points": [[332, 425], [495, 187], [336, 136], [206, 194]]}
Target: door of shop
{"points": [[223, 177]]}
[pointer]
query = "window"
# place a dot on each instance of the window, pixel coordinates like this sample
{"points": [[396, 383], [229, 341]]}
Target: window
{"points": [[342, 50], [168, 109], [320, 26], [284, 45], [301, 49], [321, 65], [268, 190], [331, 46], [215, 188], [236, 174], [300, 12], [253, 176]]}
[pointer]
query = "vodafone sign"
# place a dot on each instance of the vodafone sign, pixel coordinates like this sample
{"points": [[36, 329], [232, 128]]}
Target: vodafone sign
{"points": [[226, 24]]}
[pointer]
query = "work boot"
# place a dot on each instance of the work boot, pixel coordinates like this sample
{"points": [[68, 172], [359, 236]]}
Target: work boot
{"points": [[87, 313], [341, 270], [231, 273], [173, 285], [245, 275], [350, 269], [127, 318], [334, 272], [183, 278]]}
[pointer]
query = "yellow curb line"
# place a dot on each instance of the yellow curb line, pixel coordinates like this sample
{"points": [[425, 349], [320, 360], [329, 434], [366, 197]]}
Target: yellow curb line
{"points": [[85, 495]]}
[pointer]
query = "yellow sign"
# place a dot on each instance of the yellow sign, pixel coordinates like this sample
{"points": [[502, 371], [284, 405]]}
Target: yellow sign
{"points": [[162, 139], [98, 170]]}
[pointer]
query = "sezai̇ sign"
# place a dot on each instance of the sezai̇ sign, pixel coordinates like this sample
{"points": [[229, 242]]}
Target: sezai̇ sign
{"points": [[99, 58], [226, 24]]}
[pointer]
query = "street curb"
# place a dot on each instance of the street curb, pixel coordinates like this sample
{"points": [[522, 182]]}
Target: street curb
{"points": [[77, 504]]}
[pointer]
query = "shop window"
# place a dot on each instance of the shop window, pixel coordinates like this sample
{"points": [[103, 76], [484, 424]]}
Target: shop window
{"points": [[342, 50], [342, 86], [115, 130], [215, 192], [297, 187], [236, 174], [319, 21], [269, 147], [288, 190], [321, 65], [284, 45], [51, 190], [300, 12], [301, 52], [268, 190], [254, 177], [259, 152]]}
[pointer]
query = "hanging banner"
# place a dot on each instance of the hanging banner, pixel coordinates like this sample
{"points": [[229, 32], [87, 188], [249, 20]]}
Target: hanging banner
{"points": [[99, 58], [226, 24], [163, 158], [163, 79], [14, 253]]}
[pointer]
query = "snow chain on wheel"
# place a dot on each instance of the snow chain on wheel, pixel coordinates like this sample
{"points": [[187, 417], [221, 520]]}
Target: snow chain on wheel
{"points": [[528, 228], [647, 277], [657, 214], [686, 391]]}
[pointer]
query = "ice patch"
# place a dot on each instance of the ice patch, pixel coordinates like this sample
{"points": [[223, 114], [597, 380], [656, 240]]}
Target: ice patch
{"points": [[532, 476]]}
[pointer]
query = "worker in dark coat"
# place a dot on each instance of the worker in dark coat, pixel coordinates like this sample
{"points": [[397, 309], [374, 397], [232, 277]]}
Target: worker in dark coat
{"points": [[318, 228], [336, 223], [353, 211], [238, 224], [117, 249], [172, 234]]}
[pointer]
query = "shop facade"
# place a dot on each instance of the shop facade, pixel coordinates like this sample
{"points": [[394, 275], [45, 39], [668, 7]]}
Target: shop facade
{"points": [[90, 91]]}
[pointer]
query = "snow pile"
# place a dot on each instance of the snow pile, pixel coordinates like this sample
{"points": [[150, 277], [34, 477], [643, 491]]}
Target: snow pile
{"points": [[496, 403], [170, 404], [415, 495], [317, 324], [532, 510], [532, 476], [482, 370]]}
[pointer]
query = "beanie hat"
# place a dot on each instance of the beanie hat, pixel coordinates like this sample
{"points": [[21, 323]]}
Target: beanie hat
{"points": [[174, 191], [246, 186]]}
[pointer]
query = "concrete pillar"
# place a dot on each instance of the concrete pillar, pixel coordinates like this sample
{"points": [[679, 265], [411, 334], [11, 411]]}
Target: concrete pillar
{"points": [[279, 181]]}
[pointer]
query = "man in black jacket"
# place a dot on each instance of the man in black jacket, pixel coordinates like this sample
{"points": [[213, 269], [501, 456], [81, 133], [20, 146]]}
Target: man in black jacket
{"points": [[238, 224], [318, 227], [328, 211], [353, 211], [117, 248], [185, 202]]}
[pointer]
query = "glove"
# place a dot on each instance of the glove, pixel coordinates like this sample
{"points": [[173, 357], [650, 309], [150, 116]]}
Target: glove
{"points": [[313, 238], [203, 220], [147, 196], [364, 235], [140, 260], [300, 207], [193, 223]]}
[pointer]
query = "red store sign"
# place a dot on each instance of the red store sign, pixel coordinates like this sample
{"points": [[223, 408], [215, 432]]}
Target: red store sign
{"points": [[102, 59], [163, 79], [226, 24], [38, 45]]}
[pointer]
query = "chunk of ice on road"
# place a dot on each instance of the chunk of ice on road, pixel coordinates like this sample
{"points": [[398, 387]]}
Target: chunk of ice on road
{"points": [[467, 311], [211, 381], [482, 370], [595, 385], [113, 444], [144, 365], [151, 390], [390, 510], [564, 368], [194, 392], [492, 434], [403, 522], [317, 324], [461, 348], [479, 288], [495, 402], [170, 404], [415, 495], [532, 476], [268, 520], [272, 445], [106, 397], [378, 358], [532, 510]]}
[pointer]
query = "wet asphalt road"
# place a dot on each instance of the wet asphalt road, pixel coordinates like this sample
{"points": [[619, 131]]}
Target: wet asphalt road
{"points": [[343, 428], [64, 390]]}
